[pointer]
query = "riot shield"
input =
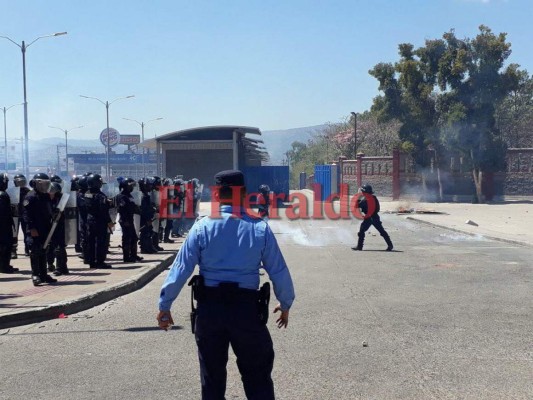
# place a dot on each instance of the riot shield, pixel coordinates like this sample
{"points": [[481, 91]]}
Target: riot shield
{"points": [[61, 207], [137, 198], [155, 198], [14, 197], [71, 216]]}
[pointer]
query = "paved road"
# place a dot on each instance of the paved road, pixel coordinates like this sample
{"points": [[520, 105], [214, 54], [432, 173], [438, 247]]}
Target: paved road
{"points": [[448, 316]]}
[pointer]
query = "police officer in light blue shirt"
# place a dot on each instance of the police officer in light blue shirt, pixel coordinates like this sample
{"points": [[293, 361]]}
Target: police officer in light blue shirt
{"points": [[230, 250]]}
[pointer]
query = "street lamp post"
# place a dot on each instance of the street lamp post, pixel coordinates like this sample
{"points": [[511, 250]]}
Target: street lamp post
{"points": [[4, 109], [23, 46], [107, 104], [66, 131], [354, 134], [142, 124]]}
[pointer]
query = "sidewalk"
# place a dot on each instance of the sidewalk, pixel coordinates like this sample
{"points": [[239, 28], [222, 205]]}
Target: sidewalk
{"points": [[22, 303], [509, 222]]}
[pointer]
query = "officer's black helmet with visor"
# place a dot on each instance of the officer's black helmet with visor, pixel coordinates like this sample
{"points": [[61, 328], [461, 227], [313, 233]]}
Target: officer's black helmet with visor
{"points": [[41, 182], [55, 187], [82, 183], [128, 184], [95, 181], [20, 180], [4, 179], [367, 189], [56, 179]]}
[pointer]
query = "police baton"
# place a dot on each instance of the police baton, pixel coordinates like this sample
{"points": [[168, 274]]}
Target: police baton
{"points": [[61, 208]]}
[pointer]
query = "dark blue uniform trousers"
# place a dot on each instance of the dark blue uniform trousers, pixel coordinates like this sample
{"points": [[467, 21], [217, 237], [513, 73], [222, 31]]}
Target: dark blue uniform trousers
{"points": [[221, 323]]}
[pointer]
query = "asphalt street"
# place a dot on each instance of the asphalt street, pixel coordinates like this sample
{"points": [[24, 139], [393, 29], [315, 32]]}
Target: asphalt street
{"points": [[446, 316]]}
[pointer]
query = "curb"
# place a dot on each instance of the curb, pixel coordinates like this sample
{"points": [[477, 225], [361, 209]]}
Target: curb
{"points": [[87, 301], [499, 239]]}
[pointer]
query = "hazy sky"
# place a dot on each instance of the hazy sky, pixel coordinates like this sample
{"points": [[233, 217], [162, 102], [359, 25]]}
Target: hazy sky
{"points": [[271, 64]]}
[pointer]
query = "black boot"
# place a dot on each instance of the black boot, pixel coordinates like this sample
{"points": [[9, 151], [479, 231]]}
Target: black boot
{"points": [[133, 252], [35, 272], [61, 256], [388, 241], [360, 242], [155, 242]]}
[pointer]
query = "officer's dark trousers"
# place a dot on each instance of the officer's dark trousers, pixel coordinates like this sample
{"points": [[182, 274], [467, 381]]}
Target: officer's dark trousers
{"points": [[82, 238], [37, 256], [220, 324], [145, 239], [376, 222], [57, 252], [5, 254], [129, 240], [168, 229], [96, 244]]}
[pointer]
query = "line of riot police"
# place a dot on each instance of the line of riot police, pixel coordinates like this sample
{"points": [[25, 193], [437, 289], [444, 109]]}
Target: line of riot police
{"points": [[54, 214]]}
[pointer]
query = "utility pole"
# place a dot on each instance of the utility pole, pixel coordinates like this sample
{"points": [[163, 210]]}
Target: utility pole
{"points": [[354, 134]]}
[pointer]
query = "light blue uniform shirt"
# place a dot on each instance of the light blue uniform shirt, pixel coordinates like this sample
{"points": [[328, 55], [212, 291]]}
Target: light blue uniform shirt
{"points": [[229, 249]]}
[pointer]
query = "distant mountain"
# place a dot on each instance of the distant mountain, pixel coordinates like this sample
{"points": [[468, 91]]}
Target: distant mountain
{"points": [[278, 142], [45, 151]]}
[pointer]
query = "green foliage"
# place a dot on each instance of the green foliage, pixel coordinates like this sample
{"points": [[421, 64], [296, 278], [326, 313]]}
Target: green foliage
{"points": [[446, 94]]}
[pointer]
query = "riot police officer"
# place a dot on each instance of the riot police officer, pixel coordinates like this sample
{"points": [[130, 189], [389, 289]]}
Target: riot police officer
{"points": [[38, 219], [98, 222], [263, 200], [6, 222], [179, 195], [156, 225], [57, 246], [166, 223], [371, 220], [82, 217], [75, 187], [20, 181], [147, 216], [126, 207]]}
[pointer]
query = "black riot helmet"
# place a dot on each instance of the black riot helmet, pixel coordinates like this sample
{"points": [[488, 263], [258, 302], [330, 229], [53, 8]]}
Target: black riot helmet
{"points": [[74, 183], [95, 181], [40, 182], [55, 188], [82, 183], [146, 184], [127, 184], [4, 179], [367, 189], [264, 189], [156, 182], [56, 178], [20, 180]]}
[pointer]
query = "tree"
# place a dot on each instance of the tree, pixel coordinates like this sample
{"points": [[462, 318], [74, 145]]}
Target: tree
{"points": [[446, 94], [473, 84], [514, 116], [408, 97]]}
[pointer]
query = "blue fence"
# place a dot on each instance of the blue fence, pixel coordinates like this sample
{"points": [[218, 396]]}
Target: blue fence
{"points": [[277, 177]]}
